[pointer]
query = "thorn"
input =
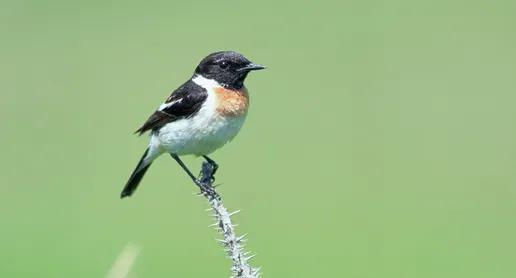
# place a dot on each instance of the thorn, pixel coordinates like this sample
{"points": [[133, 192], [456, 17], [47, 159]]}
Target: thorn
{"points": [[239, 239], [214, 224], [209, 209], [250, 257], [246, 253], [234, 212], [222, 241]]}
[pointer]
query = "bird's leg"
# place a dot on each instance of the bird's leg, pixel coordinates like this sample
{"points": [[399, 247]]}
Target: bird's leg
{"points": [[212, 162], [204, 184], [214, 166]]}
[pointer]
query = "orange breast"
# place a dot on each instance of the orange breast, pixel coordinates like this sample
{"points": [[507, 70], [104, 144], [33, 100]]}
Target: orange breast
{"points": [[232, 102]]}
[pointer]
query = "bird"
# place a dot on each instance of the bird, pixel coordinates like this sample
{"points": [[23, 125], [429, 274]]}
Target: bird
{"points": [[199, 117]]}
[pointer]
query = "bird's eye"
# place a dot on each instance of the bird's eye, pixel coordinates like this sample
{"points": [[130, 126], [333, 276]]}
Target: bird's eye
{"points": [[223, 65]]}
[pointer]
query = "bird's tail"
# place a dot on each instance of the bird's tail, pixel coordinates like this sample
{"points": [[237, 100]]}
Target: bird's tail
{"points": [[138, 173]]}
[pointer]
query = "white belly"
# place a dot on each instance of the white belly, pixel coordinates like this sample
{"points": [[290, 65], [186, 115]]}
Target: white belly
{"points": [[198, 136], [201, 134]]}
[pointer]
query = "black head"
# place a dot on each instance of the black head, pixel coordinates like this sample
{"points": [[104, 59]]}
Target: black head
{"points": [[228, 68]]}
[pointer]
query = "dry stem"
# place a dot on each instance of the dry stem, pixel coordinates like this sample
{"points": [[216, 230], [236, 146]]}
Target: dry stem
{"points": [[233, 244]]}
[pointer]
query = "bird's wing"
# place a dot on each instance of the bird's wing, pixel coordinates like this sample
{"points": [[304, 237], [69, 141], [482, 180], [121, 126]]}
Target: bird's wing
{"points": [[184, 102]]}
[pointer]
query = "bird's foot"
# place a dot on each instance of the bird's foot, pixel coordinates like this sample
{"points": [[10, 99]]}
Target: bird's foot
{"points": [[207, 173], [213, 164], [206, 180]]}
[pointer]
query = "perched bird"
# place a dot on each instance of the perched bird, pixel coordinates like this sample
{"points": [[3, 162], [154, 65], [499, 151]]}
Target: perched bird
{"points": [[199, 117]]}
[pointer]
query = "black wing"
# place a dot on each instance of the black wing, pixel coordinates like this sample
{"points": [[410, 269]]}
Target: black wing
{"points": [[184, 102]]}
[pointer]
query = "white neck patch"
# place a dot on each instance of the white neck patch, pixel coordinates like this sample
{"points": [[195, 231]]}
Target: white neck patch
{"points": [[204, 82]]}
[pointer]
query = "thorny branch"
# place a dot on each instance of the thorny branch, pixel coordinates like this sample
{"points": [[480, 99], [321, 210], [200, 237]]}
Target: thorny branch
{"points": [[232, 244]]}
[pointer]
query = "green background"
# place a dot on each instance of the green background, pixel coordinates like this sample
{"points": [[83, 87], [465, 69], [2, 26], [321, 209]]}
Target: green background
{"points": [[380, 141]]}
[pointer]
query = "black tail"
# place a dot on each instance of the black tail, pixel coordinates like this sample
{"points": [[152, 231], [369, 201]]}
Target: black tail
{"points": [[136, 177]]}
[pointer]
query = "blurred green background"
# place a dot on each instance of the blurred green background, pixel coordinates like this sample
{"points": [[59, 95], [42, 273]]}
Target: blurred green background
{"points": [[380, 141]]}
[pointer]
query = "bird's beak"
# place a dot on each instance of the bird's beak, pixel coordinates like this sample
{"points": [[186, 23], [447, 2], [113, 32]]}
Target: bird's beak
{"points": [[251, 67]]}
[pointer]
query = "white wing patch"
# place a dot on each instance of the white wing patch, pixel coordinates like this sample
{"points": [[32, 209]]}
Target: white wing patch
{"points": [[167, 105]]}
